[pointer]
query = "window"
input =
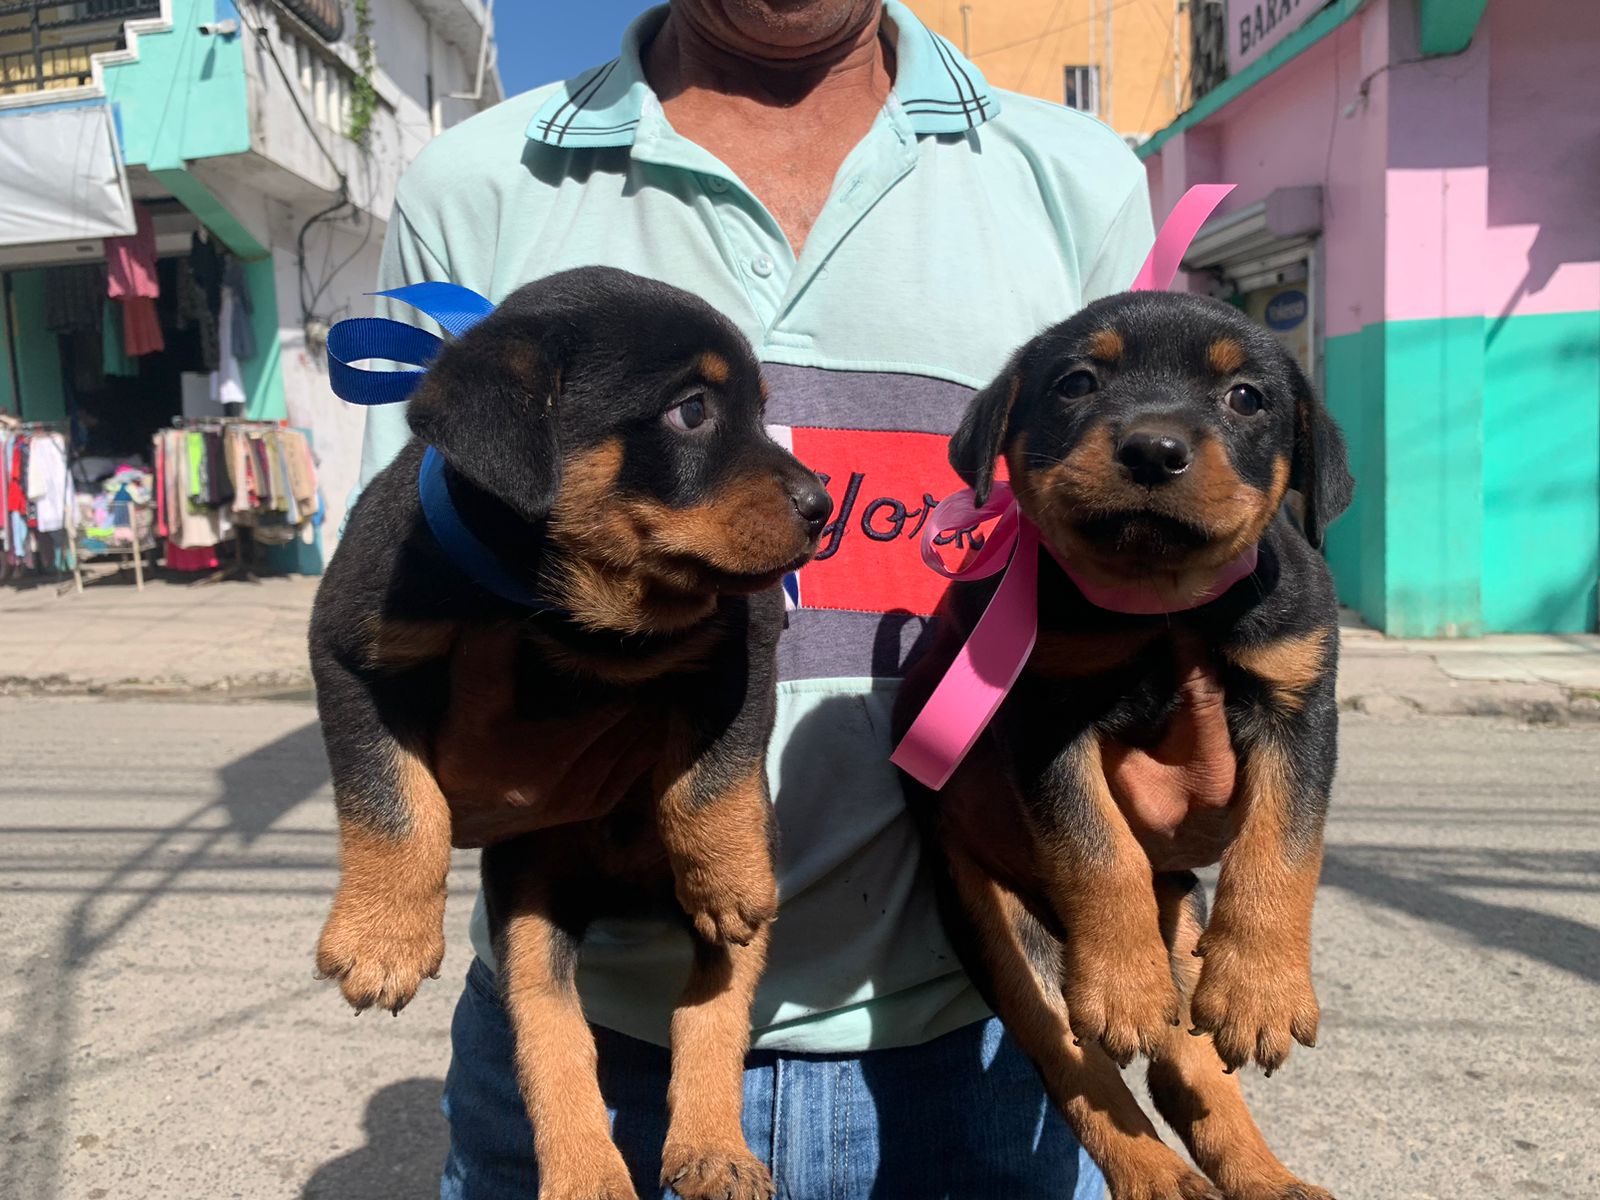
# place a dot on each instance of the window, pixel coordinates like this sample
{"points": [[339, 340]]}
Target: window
{"points": [[1083, 89]]}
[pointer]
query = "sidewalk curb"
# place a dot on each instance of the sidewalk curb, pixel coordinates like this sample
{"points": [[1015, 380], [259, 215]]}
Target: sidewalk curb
{"points": [[269, 685], [1578, 708]]}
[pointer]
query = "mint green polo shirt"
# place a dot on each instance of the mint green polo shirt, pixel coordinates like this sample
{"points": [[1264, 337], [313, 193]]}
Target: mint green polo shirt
{"points": [[965, 221]]}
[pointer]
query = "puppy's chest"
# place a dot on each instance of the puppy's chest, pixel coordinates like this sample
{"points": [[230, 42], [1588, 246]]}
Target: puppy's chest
{"points": [[1126, 681]]}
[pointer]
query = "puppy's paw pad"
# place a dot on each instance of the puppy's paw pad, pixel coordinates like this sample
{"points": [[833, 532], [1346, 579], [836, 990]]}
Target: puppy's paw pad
{"points": [[1293, 1189], [698, 1172], [1127, 1004], [1176, 1182], [1253, 1004], [613, 1185], [727, 910], [378, 965]]}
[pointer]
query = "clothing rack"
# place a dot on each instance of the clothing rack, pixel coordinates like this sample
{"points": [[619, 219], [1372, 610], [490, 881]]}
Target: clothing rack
{"points": [[251, 525], [14, 426]]}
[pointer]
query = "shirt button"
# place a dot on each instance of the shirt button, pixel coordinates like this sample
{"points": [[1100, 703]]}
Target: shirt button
{"points": [[761, 265], [716, 183]]}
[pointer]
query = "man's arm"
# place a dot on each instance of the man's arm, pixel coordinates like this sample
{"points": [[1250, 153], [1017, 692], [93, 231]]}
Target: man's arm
{"points": [[1124, 245]]}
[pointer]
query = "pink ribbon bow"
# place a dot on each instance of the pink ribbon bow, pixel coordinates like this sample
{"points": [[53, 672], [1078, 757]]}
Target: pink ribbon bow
{"points": [[966, 699]]}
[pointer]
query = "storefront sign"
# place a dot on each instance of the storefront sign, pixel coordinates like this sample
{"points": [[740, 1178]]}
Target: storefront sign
{"points": [[1286, 310], [1256, 26]]}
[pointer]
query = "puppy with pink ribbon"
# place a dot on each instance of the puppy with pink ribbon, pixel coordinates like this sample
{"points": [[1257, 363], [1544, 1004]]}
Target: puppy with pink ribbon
{"points": [[1168, 476]]}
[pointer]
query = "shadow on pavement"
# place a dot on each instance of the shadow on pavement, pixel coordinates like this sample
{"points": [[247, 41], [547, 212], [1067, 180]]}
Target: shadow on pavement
{"points": [[406, 1143], [1433, 885], [254, 792]]}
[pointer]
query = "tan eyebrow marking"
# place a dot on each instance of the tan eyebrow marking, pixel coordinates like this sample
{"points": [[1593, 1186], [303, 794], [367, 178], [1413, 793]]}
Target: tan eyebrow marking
{"points": [[1106, 345], [1226, 356], [714, 367]]}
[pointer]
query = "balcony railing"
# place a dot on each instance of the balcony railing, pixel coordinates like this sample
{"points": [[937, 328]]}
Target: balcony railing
{"points": [[45, 46]]}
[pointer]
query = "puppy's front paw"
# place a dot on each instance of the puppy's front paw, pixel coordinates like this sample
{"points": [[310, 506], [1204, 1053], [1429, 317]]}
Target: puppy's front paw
{"points": [[1290, 1189], [1253, 1000], [1125, 1001], [728, 902], [715, 1172], [380, 954], [613, 1184], [1166, 1177]]}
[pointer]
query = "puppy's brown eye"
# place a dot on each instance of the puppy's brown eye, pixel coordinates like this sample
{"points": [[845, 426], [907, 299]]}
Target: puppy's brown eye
{"points": [[1077, 385], [1245, 400], [691, 414]]}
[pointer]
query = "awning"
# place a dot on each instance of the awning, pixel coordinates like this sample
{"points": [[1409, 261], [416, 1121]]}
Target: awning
{"points": [[61, 176], [1254, 246]]}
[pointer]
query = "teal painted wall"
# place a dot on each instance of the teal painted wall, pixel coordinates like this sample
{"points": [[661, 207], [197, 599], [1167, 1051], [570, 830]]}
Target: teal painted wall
{"points": [[1353, 387], [1476, 450], [1433, 477], [38, 352], [185, 97], [1541, 473], [8, 393], [263, 374]]}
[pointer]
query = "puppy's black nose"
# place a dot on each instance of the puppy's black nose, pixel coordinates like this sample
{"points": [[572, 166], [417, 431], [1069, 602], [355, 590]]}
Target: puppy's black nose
{"points": [[813, 503], [1154, 458]]}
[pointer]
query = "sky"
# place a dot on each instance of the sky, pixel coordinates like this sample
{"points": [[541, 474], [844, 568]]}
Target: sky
{"points": [[537, 47]]}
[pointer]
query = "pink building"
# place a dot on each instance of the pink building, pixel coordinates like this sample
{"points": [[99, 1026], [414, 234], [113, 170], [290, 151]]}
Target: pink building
{"points": [[1418, 215]]}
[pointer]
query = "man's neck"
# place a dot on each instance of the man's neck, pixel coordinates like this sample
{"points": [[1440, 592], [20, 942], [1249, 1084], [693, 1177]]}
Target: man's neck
{"points": [[851, 64], [784, 121]]}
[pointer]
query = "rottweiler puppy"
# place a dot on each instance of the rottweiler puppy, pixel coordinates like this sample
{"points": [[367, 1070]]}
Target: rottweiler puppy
{"points": [[602, 441], [1154, 439]]}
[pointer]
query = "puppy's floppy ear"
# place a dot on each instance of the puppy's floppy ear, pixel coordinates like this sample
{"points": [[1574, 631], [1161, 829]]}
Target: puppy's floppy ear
{"points": [[490, 405], [1319, 468], [982, 436]]}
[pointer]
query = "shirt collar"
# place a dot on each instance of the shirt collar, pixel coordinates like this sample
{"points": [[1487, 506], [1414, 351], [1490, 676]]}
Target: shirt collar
{"points": [[937, 89]]}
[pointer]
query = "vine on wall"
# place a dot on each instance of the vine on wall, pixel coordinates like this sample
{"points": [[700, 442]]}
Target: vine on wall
{"points": [[363, 93]]}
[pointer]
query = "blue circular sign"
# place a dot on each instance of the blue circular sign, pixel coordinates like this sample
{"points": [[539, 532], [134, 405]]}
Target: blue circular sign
{"points": [[1288, 309]]}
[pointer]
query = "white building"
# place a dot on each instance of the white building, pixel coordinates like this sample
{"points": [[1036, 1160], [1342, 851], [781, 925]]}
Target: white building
{"points": [[279, 128]]}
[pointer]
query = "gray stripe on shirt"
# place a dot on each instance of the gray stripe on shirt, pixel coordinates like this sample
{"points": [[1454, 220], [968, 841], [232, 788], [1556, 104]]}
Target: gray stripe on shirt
{"points": [[829, 643], [815, 397]]}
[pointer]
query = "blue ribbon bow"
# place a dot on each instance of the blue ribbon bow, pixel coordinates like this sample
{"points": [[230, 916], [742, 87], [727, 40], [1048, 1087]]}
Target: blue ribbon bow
{"points": [[456, 309]]}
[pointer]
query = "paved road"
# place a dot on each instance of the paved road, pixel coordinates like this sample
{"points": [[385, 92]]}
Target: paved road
{"points": [[164, 868]]}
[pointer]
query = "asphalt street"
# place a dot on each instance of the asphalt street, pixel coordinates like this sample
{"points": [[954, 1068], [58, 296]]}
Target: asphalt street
{"points": [[164, 868]]}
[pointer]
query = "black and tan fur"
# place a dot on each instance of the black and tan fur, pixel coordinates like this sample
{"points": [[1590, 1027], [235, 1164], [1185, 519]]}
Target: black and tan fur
{"points": [[568, 420], [1130, 444]]}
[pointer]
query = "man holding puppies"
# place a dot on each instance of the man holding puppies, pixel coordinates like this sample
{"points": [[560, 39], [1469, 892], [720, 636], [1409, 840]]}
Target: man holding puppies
{"points": [[885, 228]]}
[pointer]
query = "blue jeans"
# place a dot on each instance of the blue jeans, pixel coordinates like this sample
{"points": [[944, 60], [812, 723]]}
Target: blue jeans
{"points": [[963, 1117]]}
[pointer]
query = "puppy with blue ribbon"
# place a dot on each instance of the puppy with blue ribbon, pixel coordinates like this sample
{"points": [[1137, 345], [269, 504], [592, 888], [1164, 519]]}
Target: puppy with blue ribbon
{"points": [[591, 482]]}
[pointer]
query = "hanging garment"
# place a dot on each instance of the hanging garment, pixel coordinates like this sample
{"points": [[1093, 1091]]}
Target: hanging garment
{"points": [[74, 297], [113, 349], [192, 558], [88, 363], [228, 382], [191, 311], [241, 333], [48, 485], [159, 456], [131, 261], [15, 480], [5, 508], [219, 487], [195, 457], [206, 264], [302, 470], [141, 328]]}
